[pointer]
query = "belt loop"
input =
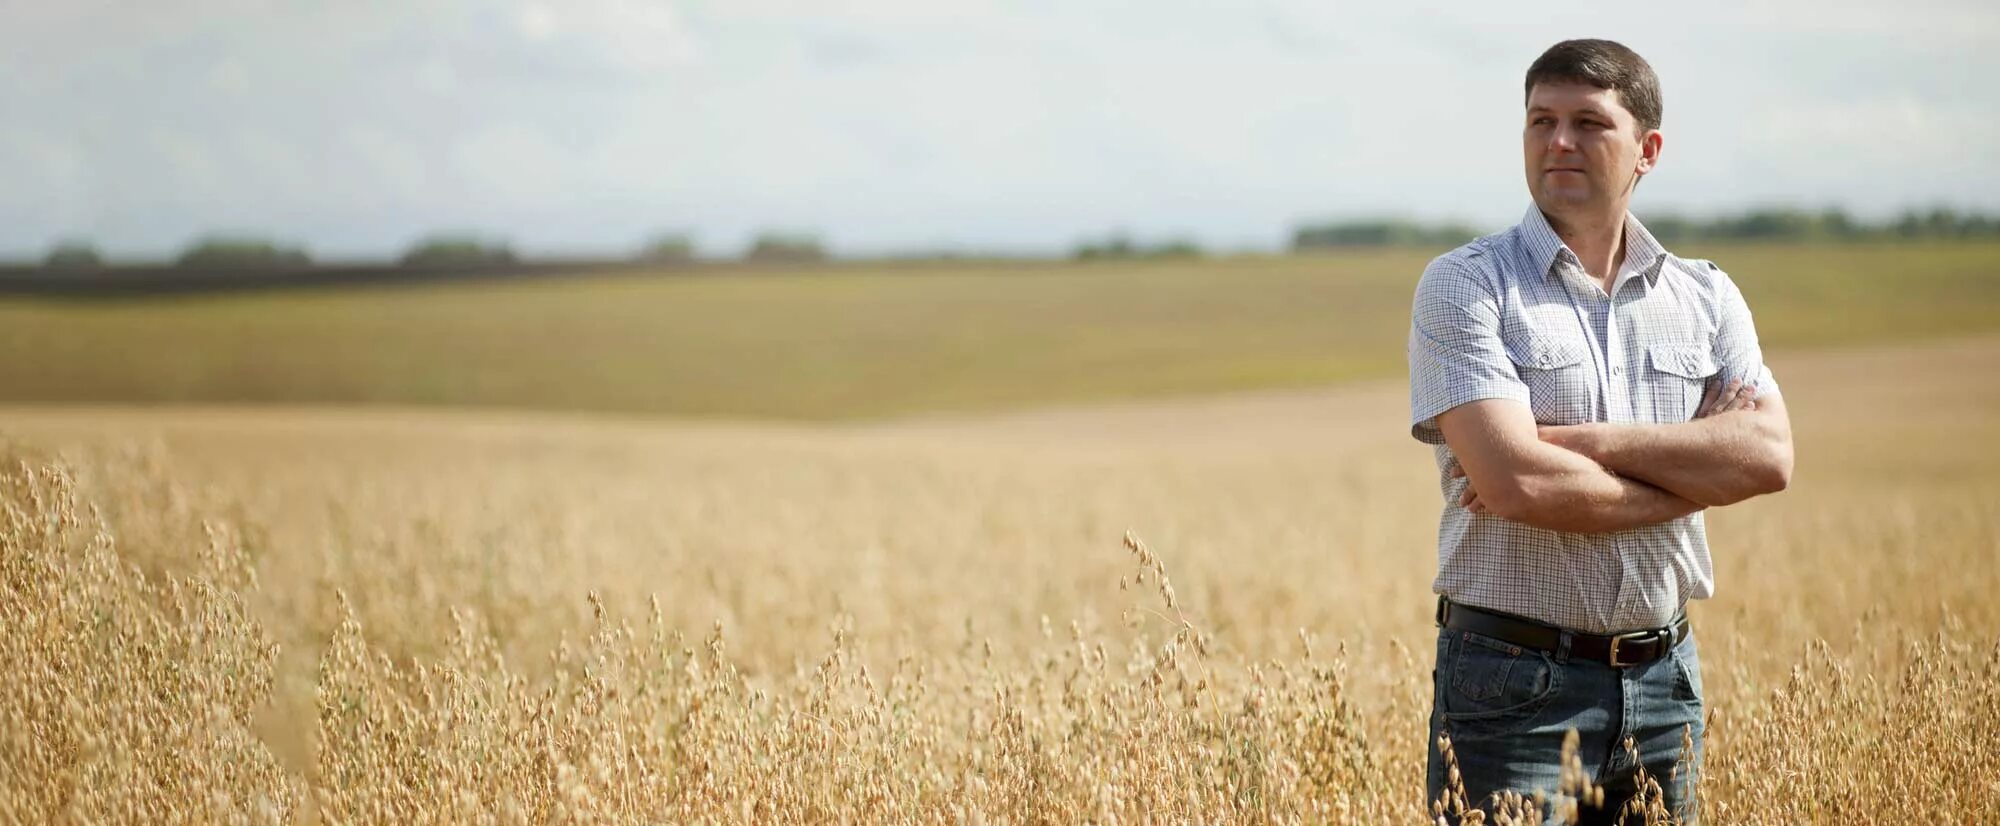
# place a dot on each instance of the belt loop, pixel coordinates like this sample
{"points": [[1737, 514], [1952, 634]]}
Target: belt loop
{"points": [[1563, 641]]}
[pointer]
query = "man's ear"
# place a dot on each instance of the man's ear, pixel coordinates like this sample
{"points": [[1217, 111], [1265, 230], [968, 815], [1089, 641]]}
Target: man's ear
{"points": [[1649, 150]]}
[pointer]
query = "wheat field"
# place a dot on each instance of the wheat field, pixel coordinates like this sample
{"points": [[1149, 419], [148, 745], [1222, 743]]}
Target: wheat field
{"points": [[866, 340], [327, 615]]}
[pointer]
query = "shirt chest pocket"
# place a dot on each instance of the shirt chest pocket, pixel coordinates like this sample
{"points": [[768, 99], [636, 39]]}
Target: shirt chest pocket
{"points": [[1676, 376], [1558, 374]]}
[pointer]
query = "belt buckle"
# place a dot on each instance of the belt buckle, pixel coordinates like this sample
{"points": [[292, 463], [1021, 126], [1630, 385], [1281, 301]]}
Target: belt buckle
{"points": [[1617, 640]]}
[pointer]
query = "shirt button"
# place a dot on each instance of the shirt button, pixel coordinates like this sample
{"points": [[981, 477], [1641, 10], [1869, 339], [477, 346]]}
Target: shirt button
{"points": [[1617, 371]]}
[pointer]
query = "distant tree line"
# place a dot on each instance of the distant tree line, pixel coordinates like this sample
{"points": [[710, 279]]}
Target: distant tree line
{"points": [[1825, 225], [785, 248], [1776, 224], [223, 252], [438, 250], [1379, 233], [1119, 245], [73, 255], [669, 248], [458, 250], [227, 252]]}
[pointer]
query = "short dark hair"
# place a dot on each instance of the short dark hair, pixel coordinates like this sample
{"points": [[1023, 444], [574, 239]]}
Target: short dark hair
{"points": [[1604, 64]]}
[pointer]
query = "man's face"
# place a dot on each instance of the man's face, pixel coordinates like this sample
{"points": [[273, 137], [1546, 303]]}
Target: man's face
{"points": [[1582, 148]]}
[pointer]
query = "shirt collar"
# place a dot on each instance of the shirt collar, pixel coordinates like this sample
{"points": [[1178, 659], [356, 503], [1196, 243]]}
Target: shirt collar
{"points": [[1642, 251]]}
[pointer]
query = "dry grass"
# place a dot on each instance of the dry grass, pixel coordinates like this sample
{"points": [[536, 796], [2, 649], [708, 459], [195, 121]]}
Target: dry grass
{"points": [[128, 699], [486, 618]]}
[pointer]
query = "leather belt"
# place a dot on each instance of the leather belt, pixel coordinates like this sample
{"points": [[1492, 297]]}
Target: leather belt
{"points": [[1616, 650]]}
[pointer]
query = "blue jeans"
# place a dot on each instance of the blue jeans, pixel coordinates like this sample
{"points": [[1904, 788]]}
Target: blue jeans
{"points": [[1508, 708]]}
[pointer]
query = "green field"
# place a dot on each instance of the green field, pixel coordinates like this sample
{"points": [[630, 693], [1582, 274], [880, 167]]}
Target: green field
{"points": [[861, 341]]}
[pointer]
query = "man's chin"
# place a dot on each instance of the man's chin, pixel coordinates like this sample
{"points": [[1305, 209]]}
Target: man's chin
{"points": [[1563, 200]]}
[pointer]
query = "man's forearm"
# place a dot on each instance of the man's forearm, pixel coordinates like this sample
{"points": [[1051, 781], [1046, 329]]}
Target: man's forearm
{"points": [[1566, 491], [1719, 460], [1601, 508]]}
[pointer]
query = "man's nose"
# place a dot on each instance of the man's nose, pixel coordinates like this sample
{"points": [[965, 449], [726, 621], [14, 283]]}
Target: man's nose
{"points": [[1562, 139]]}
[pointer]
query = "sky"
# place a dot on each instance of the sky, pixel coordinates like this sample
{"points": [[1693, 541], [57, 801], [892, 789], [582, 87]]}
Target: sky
{"points": [[883, 126]]}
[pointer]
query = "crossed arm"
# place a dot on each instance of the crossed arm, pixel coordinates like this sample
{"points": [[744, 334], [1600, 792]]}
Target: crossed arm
{"points": [[1737, 447], [1594, 478]]}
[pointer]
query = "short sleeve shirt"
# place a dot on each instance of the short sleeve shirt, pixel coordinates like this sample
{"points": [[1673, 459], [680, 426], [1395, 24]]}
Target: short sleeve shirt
{"points": [[1514, 316]]}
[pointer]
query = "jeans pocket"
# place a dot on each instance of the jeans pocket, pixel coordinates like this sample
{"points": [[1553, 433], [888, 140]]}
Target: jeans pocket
{"points": [[1496, 686], [1687, 665]]}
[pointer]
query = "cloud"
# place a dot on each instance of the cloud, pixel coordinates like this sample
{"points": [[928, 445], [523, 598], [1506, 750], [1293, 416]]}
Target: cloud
{"points": [[892, 122], [633, 34]]}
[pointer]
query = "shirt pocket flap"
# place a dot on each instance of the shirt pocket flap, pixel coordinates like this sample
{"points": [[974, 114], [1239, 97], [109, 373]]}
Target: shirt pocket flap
{"points": [[1544, 353], [1689, 361]]}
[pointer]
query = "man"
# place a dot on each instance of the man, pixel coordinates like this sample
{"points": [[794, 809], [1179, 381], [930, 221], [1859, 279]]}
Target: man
{"points": [[1588, 394]]}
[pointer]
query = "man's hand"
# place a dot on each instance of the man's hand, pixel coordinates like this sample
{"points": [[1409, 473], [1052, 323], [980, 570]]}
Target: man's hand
{"points": [[1468, 500], [1720, 399]]}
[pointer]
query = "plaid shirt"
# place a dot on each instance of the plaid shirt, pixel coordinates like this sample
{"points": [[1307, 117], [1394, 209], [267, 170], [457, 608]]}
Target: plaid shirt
{"points": [[1514, 316]]}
